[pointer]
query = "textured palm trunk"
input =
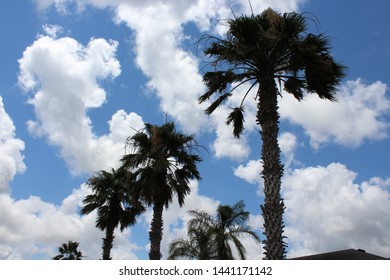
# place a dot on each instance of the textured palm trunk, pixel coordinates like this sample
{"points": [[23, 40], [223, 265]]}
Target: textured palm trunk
{"points": [[222, 254], [273, 207], [155, 233], [107, 242]]}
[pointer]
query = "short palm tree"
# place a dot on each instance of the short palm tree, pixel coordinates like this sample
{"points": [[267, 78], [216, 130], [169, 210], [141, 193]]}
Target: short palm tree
{"points": [[260, 50], [199, 246], [115, 205], [163, 161], [69, 251], [211, 237]]}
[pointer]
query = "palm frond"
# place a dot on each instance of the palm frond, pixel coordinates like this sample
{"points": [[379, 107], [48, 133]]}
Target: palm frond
{"points": [[236, 117]]}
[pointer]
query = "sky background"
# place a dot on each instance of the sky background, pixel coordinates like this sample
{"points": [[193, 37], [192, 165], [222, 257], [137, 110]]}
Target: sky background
{"points": [[77, 76]]}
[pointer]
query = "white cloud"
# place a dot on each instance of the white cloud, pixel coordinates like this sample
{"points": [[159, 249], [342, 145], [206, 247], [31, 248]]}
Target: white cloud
{"points": [[225, 144], [327, 210], [288, 143], [123, 124], [64, 79], [33, 228], [52, 30], [173, 72], [359, 114], [11, 158], [250, 172]]}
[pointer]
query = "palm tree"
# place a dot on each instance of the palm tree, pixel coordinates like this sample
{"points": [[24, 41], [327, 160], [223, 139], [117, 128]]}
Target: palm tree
{"points": [[199, 246], [164, 161], [69, 251], [115, 204], [259, 50], [210, 237]]}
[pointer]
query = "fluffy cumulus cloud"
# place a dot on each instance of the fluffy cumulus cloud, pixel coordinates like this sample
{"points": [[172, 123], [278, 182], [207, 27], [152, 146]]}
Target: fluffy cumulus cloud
{"points": [[327, 210], [31, 228], [173, 72], [250, 171], [11, 158], [64, 79], [288, 144], [360, 114]]}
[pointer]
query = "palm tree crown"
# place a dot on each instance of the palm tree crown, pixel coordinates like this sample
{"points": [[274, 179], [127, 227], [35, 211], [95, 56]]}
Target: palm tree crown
{"points": [[199, 246], [210, 237], [115, 204], [163, 161], [259, 50], [69, 251]]}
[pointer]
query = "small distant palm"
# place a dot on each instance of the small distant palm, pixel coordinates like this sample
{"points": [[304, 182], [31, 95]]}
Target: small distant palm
{"points": [[69, 251], [211, 237]]}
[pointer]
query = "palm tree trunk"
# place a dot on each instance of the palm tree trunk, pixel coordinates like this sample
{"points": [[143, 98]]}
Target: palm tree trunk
{"points": [[273, 208], [155, 233], [107, 242]]}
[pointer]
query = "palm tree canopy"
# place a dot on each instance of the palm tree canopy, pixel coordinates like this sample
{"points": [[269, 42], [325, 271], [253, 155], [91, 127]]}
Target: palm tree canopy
{"points": [[112, 198], [69, 251], [267, 45], [199, 246], [164, 161], [210, 237]]}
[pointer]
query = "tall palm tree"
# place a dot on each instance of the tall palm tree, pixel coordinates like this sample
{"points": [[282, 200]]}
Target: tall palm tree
{"points": [[115, 204], [258, 50], [164, 161], [69, 251], [210, 237]]}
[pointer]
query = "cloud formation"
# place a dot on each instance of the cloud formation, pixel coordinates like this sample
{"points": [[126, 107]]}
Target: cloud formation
{"points": [[64, 79], [328, 210], [32, 227], [359, 114], [11, 158]]}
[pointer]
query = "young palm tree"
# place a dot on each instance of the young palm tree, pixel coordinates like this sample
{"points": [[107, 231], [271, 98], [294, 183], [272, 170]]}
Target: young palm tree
{"points": [[210, 237], [199, 246], [164, 161], [115, 204], [69, 251], [259, 50]]}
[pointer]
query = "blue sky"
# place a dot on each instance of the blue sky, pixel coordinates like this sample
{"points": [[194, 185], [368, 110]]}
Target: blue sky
{"points": [[76, 75]]}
